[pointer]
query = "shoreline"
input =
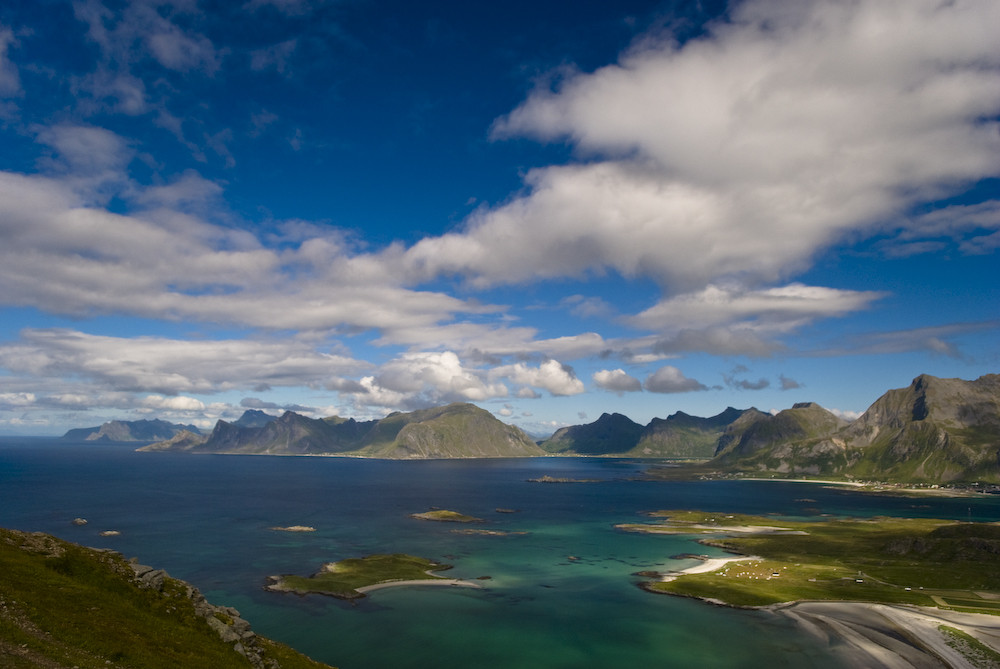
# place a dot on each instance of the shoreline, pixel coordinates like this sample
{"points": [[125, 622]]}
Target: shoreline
{"points": [[453, 582], [869, 633], [890, 635], [707, 565]]}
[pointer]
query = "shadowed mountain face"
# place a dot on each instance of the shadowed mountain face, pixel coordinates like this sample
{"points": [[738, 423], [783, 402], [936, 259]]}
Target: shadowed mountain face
{"points": [[611, 433], [678, 436], [934, 431], [129, 430], [453, 431]]}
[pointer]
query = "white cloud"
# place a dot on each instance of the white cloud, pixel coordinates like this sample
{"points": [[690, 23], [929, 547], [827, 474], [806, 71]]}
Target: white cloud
{"points": [[740, 154], [440, 375], [777, 309], [617, 381], [10, 81], [669, 379], [551, 375], [179, 403], [169, 366], [11, 400]]}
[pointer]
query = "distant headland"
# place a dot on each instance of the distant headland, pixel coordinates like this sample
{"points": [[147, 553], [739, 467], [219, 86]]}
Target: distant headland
{"points": [[934, 432]]}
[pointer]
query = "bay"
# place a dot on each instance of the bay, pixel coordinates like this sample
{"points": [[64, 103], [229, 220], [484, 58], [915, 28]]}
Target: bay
{"points": [[563, 594]]}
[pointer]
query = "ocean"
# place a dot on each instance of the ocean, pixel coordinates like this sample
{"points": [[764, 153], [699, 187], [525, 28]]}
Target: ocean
{"points": [[564, 594]]}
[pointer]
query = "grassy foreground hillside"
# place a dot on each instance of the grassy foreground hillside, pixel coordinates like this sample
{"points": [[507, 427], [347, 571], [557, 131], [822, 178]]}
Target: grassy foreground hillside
{"points": [[64, 605]]}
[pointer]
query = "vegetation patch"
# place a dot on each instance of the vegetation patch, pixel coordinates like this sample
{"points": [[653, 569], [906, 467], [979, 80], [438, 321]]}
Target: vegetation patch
{"points": [[64, 605], [893, 560], [977, 653], [346, 578], [446, 516]]}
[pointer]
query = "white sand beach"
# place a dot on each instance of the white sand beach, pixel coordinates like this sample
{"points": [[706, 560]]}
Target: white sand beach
{"points": [[891, 635], [709, 565], [456, 582]]}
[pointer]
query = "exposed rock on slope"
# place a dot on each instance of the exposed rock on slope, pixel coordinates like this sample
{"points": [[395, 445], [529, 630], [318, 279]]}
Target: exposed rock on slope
{"points": [[64, 605], [934, 431]]}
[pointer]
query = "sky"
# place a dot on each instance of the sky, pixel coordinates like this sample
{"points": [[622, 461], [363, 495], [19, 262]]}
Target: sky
{"points": [[552, 209]]}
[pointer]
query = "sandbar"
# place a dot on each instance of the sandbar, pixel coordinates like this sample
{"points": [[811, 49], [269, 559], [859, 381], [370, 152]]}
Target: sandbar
{"points": [[421, 581], [891, 635]]}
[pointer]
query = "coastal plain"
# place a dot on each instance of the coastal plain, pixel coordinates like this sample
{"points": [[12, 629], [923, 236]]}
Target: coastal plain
{"points": [[867, 582]]}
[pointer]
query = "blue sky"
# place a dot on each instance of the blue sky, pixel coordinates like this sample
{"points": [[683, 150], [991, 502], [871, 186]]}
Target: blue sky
{"points": [[551, 209]]}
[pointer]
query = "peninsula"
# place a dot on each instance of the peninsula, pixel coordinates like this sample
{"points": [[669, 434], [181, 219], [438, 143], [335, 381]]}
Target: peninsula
{"points": [[353, 577], [933, 580]]}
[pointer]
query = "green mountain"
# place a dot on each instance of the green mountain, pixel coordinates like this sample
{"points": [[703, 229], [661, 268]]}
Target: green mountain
{"points": [[129, 430], [759, 433], [64, 605], [678, 436], [934, 431], [609, 434], [453, 431], [681, 435]]}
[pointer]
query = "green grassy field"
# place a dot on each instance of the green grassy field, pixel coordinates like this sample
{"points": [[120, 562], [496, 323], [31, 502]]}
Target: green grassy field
{"points": [[342, 579], [897, 560], [63, 605]]}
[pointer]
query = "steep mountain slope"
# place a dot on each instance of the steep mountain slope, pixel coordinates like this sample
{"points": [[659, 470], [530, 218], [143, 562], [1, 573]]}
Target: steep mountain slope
{"points": [[681, 435], [611, 433], [453, 431], [129, 430], [934, 431], [254, 418], [760, 434]]}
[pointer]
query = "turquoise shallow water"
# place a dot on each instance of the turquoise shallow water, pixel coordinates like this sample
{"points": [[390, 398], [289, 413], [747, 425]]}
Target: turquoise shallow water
{"points": [[562, 595]]}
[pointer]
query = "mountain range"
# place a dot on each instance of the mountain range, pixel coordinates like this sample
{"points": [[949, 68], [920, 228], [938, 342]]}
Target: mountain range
{"points": [[128, 430], [936, 430], [453, 431]]}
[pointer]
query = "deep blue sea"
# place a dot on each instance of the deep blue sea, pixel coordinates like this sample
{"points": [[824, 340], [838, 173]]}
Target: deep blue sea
{"points": [[562, 595]]}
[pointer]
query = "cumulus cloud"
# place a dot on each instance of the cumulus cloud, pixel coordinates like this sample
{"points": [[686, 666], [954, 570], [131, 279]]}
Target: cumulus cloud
{"points": [[433, 378], [11, 400], [617, 381], [551, 375], [736, 156], [669, 379], [165, 263], [169, 366], [178, 403]]}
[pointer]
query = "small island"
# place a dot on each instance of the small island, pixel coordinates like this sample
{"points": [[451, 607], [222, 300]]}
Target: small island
{"points": [[556, 479], [933, 581], [294, 528], [491, 533], [353, 577], [446, 516]]}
